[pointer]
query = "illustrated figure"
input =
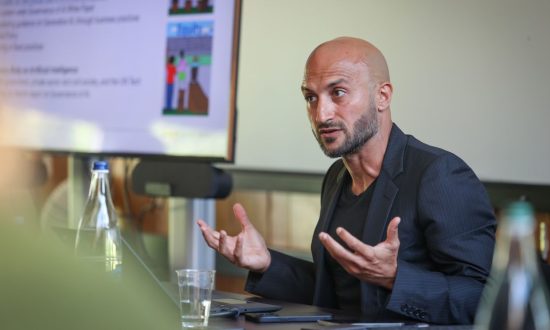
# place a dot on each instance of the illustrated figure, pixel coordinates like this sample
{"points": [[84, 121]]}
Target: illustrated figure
{"points": [[170, 78], [175, 5], [183, 80], [202, 5]]}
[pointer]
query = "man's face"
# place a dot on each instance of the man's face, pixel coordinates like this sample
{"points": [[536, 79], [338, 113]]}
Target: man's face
{"points": [[341, 106]]}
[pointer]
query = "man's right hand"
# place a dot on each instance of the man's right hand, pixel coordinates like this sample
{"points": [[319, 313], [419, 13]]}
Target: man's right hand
{"points": [[247, 249]]}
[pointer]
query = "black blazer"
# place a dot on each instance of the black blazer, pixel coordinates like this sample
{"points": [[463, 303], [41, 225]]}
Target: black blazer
{"points": [[447, 236]]}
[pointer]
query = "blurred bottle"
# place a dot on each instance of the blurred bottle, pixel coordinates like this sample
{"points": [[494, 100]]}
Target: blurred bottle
{"points": [[98, 239], [516, 296]]}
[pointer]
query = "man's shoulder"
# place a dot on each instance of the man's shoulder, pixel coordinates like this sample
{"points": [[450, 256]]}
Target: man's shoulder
{"points": [[413, 147], [404, 151], [422, 158], [424, 150], [418, 155]]}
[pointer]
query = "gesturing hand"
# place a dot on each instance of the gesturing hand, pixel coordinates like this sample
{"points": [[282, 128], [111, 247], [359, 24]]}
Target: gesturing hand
{"points": [[247, 249], [374, 264]]}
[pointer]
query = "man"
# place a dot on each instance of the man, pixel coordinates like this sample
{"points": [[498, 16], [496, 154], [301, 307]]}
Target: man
{"points": [[434, 268]]}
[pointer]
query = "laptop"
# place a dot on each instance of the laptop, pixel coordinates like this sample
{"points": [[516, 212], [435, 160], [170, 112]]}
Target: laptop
{"points": [[224, 304], [221, 305], [289, 316], [231, 306]]}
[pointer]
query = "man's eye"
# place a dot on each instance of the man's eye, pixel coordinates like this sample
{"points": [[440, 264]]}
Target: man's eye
{"points": [[310, 98], [339, 92]]}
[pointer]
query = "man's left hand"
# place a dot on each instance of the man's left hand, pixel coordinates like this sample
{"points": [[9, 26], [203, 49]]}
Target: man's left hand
{"points": [[373, 264]]}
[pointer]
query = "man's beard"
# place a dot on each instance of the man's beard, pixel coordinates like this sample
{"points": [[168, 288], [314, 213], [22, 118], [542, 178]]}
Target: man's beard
{"points": [[363, 129]]}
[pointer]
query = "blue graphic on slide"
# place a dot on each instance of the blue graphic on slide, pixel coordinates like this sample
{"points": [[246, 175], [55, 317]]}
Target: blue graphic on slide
{"points": [[190, 29]]}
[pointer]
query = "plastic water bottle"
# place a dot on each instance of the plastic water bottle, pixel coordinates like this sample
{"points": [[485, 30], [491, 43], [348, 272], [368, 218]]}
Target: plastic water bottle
{"points": [[516, 296], [98, 239]]}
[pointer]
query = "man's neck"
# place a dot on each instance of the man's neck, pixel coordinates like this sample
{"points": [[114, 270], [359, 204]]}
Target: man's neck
{"points": [[365, 165]]}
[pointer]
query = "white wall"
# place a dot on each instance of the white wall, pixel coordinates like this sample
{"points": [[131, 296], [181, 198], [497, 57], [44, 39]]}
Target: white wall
{"points": [[470, 76]]}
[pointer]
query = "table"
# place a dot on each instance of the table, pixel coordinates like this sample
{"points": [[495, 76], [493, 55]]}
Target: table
{"points": [[241, 323]]}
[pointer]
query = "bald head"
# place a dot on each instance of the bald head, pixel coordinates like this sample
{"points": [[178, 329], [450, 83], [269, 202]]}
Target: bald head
{"points": [[348, 92], [354, 50]]}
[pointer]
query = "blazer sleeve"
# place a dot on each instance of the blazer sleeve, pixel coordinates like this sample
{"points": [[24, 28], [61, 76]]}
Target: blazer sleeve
{"points": [[287, 278], [458, 223]]}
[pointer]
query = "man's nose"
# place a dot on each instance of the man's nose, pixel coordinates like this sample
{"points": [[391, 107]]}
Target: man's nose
{"points": [[325, 110]]}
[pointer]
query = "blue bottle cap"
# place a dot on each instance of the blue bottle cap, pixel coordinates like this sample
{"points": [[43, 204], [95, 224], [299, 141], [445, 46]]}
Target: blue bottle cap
{"points": [[520, 212], [519, 208], [101, 165]]}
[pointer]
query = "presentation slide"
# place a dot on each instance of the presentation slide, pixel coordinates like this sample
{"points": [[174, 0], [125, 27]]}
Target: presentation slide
{"points": [[120, 76]]}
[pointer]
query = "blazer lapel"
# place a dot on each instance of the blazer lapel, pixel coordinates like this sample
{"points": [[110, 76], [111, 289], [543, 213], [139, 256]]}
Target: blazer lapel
{"points": [[377, 218], [379, 210], [332, 197], [385, 189]]}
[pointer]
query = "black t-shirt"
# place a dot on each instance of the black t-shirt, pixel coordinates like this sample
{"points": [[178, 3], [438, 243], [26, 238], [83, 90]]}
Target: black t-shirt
{"points": [[350, 214]]}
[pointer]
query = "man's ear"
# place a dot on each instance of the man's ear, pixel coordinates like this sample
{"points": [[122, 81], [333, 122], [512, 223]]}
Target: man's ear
{"points": [[385, 92]]}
